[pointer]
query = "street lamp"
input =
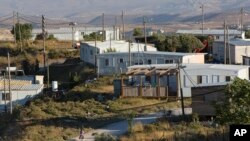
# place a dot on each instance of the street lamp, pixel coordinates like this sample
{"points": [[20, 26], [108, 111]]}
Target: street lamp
{"points": [[72, 24]]}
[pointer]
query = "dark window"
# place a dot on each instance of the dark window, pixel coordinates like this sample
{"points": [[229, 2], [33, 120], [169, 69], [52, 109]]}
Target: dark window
{"points": [[166, 61], [91, 52], [107, 62], [169, 61], [228, 78], [121, 60], [199, 79], [7, 95], [149, 61]]}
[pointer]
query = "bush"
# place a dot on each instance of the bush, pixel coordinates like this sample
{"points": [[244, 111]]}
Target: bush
{"points": [[104, 137]]}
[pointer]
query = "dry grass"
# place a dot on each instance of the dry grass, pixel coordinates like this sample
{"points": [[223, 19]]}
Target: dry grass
{"points": [[104, 89], [163, 130]]}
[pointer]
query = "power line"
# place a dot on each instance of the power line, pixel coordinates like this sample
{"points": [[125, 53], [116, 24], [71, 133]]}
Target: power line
{"points": [[6, 19]]}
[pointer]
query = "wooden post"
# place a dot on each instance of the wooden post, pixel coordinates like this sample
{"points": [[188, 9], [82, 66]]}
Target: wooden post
{"points": [[177, 85], [167, 92], [158, 92], [140, 90], [122, 93]]}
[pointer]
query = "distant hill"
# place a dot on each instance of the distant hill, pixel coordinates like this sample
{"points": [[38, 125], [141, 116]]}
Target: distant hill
{"points": [[86, 10]]}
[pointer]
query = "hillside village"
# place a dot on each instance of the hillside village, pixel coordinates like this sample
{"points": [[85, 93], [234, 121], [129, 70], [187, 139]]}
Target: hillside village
{"points": [[128, 82]]}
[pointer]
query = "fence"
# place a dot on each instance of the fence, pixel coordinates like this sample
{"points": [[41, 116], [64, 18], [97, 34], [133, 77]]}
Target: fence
{"points": [[146, 91]]}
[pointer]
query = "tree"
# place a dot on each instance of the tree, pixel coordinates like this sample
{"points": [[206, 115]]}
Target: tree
{"points": [[40, 36], [247, 34], [25, 31], [189, 43], [92, 37], [172, 43], [235, 108], [137, 32], [51, 37]]}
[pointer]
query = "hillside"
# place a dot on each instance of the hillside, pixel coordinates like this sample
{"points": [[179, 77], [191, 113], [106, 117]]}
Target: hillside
{"points": [[84, 11]]}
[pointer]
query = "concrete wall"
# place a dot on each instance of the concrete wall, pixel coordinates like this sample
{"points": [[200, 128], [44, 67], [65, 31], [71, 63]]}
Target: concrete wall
{"points": [[197, 58], [20, 96], [236, 52]]}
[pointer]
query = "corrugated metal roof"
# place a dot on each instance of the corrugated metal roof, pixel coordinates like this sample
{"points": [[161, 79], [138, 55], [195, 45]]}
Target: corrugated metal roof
{"points": [[19, 85], [195, 66], [66, 30], [240, 42], [22, 87], [209, 32], [32, 87]]}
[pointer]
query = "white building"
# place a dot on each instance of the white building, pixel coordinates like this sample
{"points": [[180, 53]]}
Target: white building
{"points": [[236, 49], [88, 50], [65, 33], [192, 75], [117, 62], [21, 91], [218, 34]]}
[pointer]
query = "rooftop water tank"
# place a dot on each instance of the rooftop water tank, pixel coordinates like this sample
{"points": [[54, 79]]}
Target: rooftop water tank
{"points": [[54, 86]]}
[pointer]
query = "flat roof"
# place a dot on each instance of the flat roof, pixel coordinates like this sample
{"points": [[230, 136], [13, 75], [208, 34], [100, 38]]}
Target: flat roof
{"points": [[120, 45], [154, 53], [68, 29], [19, 85], [209, 32], [194, 66]]}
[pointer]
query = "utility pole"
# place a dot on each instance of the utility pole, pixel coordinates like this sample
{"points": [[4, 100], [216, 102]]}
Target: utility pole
{"points": [[95, 54], [123, 32], [115, 32], [47, 72], [241, 20], [9, 77], [110, 41], [225, 44], [20, 34], [44, 34], [5, 95], [180, 87], [103, 28], [228, 46], [129, 52], [14, 27], [145, 33], [202, 9]]}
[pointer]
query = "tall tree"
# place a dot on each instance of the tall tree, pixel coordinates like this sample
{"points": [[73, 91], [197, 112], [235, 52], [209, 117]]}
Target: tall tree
{"points": [[172, 43], [25, 31], [235, 108], [137, 32], [189, 43]]}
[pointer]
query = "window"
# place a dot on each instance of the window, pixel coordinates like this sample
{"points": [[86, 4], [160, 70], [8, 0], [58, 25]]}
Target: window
{"points": [[199, 79], [149, 61], [228, 78], [121, 60], [106, 62], [7, 95], [169, 61], [91, 52]]}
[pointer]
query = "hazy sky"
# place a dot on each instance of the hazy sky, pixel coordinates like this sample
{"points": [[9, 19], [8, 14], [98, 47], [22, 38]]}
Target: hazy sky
{"points": [[90, 8]]}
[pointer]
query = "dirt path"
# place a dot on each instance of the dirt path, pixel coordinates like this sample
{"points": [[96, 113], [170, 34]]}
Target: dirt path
{"points": [[119, 128]]}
